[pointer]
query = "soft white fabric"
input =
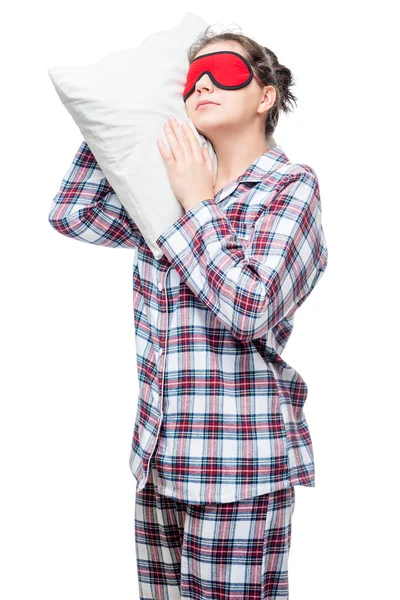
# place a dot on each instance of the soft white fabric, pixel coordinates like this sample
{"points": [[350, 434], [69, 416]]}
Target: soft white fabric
{"points": [[120, 104]]}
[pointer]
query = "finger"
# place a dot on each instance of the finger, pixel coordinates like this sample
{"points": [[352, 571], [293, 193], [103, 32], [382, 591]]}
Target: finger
{"points": [[173, 141], [207, 160], [165, 152], [180, 135], [193, 141], [206, 155]]}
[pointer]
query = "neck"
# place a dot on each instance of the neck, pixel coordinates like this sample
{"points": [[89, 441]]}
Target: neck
{"points": [[231, 164]]}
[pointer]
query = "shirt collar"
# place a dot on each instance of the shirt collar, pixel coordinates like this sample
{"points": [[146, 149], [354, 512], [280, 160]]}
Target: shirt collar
{"points": [[266, 163]]}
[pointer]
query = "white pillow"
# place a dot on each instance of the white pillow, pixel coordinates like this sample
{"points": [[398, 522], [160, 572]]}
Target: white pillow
{"points": [[120, 104]]}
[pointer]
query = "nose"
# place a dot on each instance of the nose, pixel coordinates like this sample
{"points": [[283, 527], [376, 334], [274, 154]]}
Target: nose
{"points": [[204, 82]]}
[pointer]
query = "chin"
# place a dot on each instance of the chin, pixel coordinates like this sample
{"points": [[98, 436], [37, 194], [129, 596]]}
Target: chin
{"points": [[206, 129]]}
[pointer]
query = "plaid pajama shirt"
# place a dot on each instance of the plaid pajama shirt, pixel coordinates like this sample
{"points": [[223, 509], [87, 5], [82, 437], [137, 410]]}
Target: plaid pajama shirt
{"points": [[219, 413]]}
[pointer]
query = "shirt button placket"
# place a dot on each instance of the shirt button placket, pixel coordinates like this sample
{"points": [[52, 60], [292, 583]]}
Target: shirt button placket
{"points": [[163, 342], [164, 330]]}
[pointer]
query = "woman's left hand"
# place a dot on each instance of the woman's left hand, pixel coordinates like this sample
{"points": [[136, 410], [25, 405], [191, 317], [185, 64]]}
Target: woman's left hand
{"points": [[189, 167]]}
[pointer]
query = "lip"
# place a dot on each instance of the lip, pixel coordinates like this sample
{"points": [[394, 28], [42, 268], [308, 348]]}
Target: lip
{"points": [[203, 102]]}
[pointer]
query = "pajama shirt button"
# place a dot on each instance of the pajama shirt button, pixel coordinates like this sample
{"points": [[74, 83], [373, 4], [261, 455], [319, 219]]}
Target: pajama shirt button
{"points": [[161, 351], [160, 286]]}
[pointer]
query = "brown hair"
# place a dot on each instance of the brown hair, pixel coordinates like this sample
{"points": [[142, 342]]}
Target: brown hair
{"points": [[266, 66]]}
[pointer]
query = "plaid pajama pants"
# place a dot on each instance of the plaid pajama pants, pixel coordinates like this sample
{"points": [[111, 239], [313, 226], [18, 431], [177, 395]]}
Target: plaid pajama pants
{"points": [[214, 551]]}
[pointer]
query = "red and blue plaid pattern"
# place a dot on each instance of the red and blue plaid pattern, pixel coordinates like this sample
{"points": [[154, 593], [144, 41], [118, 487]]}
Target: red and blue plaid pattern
{"points": [[237, 550], [219, 410]]}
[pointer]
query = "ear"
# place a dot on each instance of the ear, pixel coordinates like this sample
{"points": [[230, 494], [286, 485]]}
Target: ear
{"points": [[268, 99]]}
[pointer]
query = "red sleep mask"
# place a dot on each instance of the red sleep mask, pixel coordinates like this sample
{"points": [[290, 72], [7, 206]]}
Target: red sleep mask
{"points": [[228, 70]]}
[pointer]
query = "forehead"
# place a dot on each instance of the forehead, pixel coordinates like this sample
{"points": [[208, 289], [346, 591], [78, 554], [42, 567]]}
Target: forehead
{"points": [[222, 45]]}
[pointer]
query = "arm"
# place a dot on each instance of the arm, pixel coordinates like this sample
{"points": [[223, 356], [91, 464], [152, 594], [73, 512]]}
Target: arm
{"points": [[250, 290], [86, 207]]}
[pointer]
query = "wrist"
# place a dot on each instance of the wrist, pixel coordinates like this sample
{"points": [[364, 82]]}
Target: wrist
{"points": [[194, 203]]}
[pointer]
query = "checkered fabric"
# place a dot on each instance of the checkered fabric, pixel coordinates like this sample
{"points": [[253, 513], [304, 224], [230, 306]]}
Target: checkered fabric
{"points": [[217, 551], [218, 408]]}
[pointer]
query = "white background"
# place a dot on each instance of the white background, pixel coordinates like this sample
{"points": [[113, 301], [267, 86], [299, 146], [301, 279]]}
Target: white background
{"points": [[69, 381]]}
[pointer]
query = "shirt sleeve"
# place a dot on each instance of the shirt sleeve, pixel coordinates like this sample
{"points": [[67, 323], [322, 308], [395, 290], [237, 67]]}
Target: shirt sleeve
{"points": [[250, 289], [87, 208]]}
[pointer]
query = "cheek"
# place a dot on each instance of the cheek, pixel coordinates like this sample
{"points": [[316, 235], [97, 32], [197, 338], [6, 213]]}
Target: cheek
{"points": [[244, 104], [190, 106], [234, 107], [235, 101]]}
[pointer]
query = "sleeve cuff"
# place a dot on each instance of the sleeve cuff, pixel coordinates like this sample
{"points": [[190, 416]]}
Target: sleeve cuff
{"points": [[177, 240]]}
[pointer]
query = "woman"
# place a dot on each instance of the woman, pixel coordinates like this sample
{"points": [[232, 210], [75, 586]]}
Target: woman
{"points": [[220, 438]]}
